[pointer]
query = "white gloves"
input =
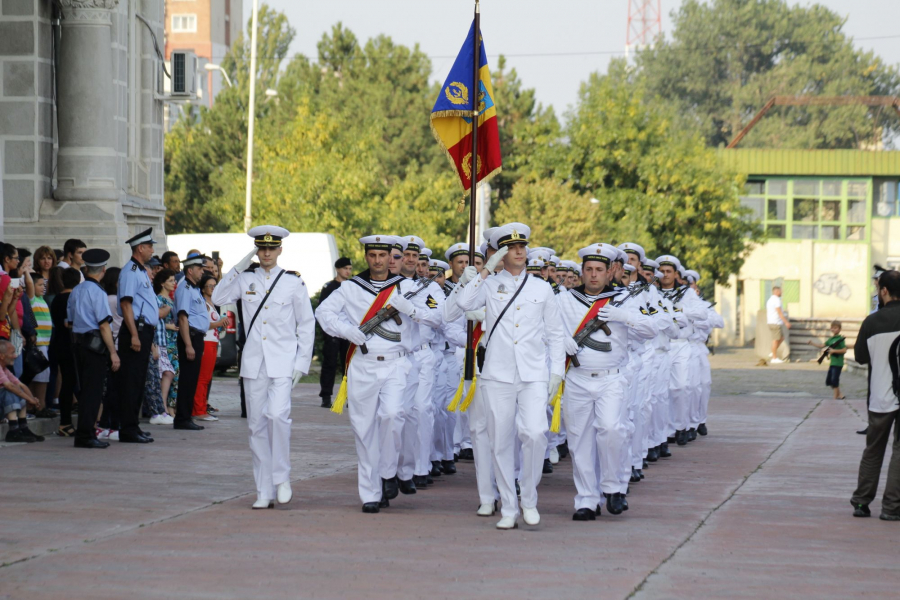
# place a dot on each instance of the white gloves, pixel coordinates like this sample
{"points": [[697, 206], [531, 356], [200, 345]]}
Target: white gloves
{"points": [[403, 305], [553, 386], [469, 274], [475, 315], [245, 262], [493, 261], [355, 336], [613, 314], [570, 346], [295, 379]]}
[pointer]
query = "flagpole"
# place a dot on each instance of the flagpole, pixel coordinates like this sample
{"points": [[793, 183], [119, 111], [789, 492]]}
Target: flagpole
{"points": [[470, 352]]}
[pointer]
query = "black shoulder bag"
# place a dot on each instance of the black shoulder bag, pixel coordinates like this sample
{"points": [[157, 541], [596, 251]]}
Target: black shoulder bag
{"points": [[481, 353], [256, 314]]}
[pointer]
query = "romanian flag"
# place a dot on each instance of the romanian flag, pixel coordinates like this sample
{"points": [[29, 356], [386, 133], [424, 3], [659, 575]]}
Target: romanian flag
{"points": [[451, 117]]}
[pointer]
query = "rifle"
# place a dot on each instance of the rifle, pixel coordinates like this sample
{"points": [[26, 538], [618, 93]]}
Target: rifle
{"points": [[582, 338], [678, 294], [829, 348], [373, 325]]}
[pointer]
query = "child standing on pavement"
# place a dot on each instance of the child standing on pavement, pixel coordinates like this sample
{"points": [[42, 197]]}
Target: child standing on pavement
{"points": [[836, 349]]}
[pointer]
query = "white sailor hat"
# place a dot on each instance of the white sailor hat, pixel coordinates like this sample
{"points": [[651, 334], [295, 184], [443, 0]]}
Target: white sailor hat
{"points": [[630, 248], [555, 260], [648, 264], [604, 253], [621, 256], [486, 234], [144, 237], [268, 236], [667, 260], [562, 267], [424, 253], [681, 272], [658, 274], [194, 260], [577, 268], [95, 257], [411, 242], [509, 234], [693, 276], [377, 242], [457, 249], [435, 265], [534, 264], [482, 250], [570, 265], [629, 268], [541, 252]]}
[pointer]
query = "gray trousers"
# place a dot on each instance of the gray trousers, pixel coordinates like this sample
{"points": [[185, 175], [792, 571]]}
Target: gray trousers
{"points": [[873, 456]]}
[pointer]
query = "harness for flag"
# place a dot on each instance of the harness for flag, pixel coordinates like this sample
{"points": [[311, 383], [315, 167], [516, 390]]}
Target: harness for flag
{"points": [[451, 117]]}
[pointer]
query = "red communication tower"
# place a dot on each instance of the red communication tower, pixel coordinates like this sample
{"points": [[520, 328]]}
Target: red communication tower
{"points": [[644, 23]]}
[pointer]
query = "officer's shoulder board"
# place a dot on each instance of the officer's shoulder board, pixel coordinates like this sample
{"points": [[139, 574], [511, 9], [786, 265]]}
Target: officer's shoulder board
{"points": [[644, 311], [134, 266]]}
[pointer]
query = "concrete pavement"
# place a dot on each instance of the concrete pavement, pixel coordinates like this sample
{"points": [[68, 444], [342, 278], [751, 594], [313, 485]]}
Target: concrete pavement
{"points": [[759, 507]]}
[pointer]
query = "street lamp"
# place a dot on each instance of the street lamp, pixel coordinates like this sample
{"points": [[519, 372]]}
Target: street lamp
{"points": [[212, 67], [251, 113]]}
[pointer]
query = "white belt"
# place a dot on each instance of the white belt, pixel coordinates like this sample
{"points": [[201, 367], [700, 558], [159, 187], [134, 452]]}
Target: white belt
{"points": [[678, 341], [383, 356], [438, 345], [598, 372], [422, 347]]}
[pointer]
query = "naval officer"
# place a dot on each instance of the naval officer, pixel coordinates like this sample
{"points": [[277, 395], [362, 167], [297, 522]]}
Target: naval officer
{"points": [[280, 330]]}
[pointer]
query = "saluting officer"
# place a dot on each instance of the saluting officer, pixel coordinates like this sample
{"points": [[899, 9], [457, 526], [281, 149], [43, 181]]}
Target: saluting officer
{"points": [[280, 329], [88, 313], [140, 314], [193, 323]]}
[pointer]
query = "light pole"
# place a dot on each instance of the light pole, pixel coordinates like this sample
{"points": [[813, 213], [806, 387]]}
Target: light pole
{"points": [[212, 67], [251, 115]]}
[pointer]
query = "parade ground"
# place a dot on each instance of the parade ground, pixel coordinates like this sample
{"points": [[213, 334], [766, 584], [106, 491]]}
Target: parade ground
{"points": [[758, 508]]}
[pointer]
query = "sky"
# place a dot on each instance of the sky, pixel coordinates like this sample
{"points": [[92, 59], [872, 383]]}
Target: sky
{"points": [[553, 44]]}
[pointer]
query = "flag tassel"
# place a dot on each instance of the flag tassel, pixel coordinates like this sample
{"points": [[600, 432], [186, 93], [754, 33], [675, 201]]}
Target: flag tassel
{"points": [[337, 407]]}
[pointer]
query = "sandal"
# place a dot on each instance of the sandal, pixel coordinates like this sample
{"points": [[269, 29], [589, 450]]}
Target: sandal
{"points": [[65, 431]]}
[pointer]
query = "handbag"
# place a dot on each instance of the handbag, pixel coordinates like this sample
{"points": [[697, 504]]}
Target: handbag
{"points": [[481, 353], [33, 363]]}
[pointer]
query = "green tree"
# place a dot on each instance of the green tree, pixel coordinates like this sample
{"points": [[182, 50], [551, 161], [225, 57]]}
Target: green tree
{"points": [[726, 59]]}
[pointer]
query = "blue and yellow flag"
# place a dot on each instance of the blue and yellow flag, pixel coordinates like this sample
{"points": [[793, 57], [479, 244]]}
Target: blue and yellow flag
{"points": [[451, 117]]}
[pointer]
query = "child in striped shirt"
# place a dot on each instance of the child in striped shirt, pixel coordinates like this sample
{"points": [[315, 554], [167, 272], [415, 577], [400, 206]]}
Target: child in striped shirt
{"points": [[44, 328]]}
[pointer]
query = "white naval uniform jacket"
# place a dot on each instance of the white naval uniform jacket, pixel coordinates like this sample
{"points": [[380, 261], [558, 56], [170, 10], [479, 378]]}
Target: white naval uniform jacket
{"points": [[434, 299], [346, 307], [574, 305], [517, 343], [284, 331]]}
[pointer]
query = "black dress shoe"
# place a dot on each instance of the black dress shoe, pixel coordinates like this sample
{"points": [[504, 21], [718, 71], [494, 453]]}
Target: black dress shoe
{"points": [[672, 438], [614, 503], [189, 426], [145, 434], [644, 465], [466, 454], [597, 510], [456, 457], [370, 507], [864, 430], [861, 510], [664, 450], [584, 514], [640, 473], [326, 401], [429, 480], [407, 487], [448, 467], [691, 434], [635, 478], [435, 468], [421, 482], [389, 488], [548, 466], [563, 450], [90, 444], [132, 438], [16, 435], [701, 429], [653, 454], [624, 503], [31, 434], [681, 437], [383, 503], [518, 489]]}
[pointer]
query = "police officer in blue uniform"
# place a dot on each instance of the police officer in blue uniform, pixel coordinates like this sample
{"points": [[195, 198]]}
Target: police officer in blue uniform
{"points": [[140, 314], [95, 353], [193, 322]]}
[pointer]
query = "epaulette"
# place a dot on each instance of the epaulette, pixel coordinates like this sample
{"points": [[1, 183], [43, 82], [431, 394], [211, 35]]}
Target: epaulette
{"points": [[294, 273], [252, 268], [134, 266]]}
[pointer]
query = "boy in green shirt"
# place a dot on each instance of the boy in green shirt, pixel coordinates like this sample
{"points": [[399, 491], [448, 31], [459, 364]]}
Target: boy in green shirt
{"points": [[837, 348]]}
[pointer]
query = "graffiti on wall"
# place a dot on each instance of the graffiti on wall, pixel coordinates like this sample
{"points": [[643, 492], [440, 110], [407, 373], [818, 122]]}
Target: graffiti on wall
{"points": [[829, 284]]}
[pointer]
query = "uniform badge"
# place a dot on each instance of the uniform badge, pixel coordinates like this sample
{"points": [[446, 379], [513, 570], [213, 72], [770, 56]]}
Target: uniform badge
{"points": [[252, 290], [644, 311], [431, 302], [501, 289]]}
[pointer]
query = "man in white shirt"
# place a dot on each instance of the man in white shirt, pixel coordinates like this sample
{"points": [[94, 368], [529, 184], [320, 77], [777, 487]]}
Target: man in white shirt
{"points": [[775, 319], [72, 256], [517, 383]]}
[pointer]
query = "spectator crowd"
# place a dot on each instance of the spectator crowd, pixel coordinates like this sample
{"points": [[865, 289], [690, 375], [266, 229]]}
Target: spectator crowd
{"points": [[38, 363]]}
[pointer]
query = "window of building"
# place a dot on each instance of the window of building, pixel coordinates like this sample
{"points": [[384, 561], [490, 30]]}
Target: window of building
{"points": [[790, 291], [886, 198], [812, 208], [184, 23]]}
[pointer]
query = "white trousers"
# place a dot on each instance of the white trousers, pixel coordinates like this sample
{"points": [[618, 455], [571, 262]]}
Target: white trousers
{"points": [[595, 411], [679, 387], [409, 438], [375, 398], [648, 401], [425, 404], [659, 420], [444, 420], [511, 408], [481, 448], [269, 420], [705, 385], [632, 370]]}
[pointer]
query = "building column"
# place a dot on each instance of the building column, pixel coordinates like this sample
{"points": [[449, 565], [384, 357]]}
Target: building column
{"points": [[87, 159]]}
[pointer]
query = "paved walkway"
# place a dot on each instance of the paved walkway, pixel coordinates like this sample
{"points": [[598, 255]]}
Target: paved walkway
{"points": [[758, 508]]}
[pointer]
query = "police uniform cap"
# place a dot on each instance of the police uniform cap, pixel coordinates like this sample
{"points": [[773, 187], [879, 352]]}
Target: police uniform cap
{"points": [[95, 257], [342, 262], [144, 237], [193, 260]]}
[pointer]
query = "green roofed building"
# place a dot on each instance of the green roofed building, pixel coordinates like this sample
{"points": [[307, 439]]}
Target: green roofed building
{"points": [[829, 215]]}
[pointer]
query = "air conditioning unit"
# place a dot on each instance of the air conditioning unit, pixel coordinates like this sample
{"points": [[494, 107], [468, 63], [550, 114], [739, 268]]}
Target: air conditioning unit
{"points": [[184, 73]]}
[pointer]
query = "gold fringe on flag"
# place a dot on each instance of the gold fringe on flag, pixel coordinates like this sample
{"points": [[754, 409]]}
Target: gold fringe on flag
{"points": [[454, 404], [469, 395], [557, 408], [337, 406]]}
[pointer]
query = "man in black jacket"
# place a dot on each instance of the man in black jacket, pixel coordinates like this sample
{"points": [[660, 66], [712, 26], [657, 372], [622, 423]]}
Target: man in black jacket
{"points": [[333, 349], [877, 346]]}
